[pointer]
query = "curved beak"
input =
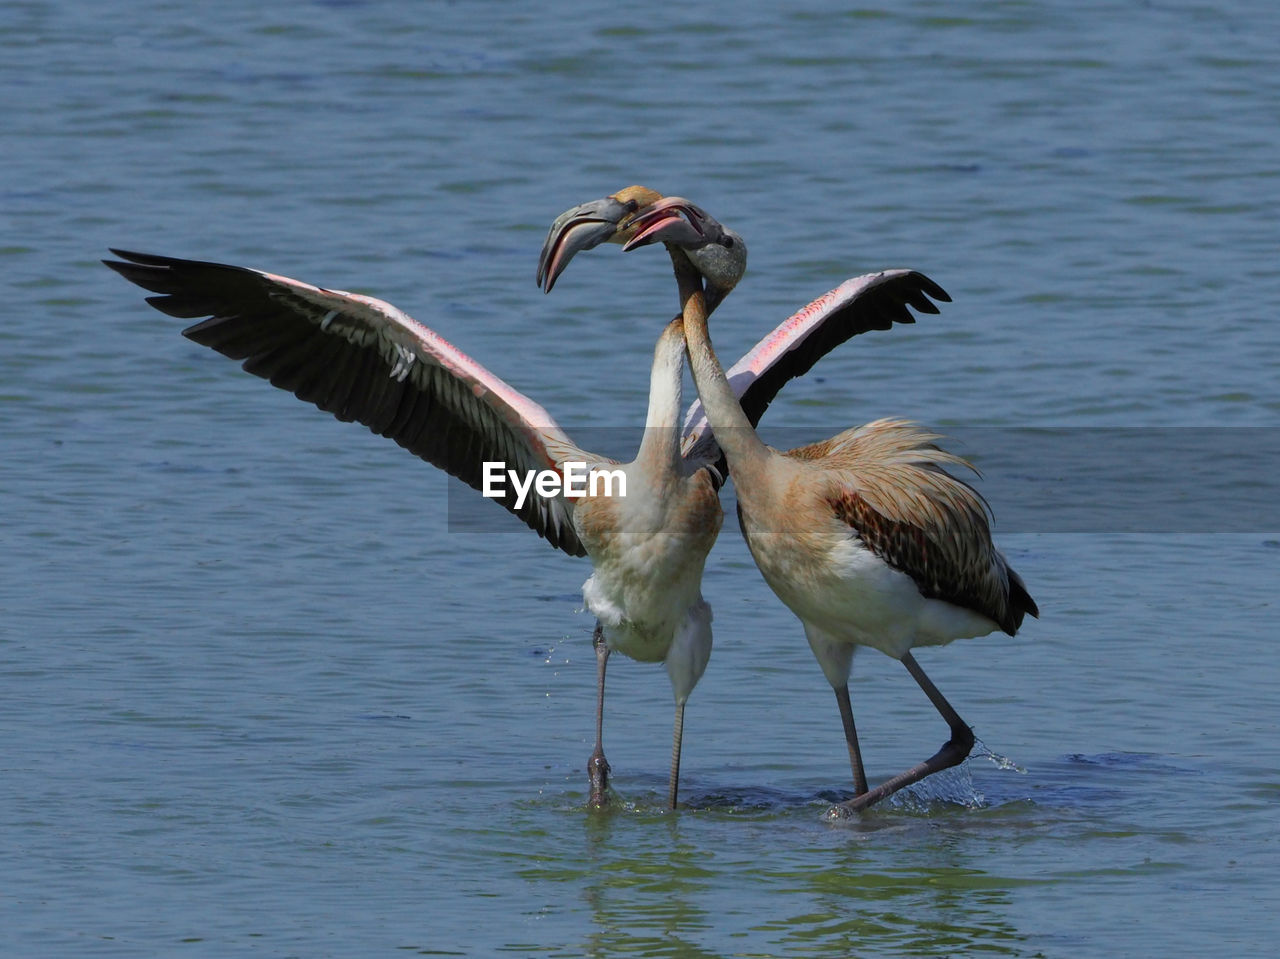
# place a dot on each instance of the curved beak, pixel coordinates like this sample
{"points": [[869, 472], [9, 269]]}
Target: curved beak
{"points": [[718, 254], [672, 220], [587, 225]]}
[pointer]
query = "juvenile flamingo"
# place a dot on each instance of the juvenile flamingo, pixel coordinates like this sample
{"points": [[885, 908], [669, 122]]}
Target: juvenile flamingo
{"points": [[864, 536]]}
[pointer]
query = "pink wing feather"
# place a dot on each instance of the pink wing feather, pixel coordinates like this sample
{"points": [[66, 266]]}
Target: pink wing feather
{"points": [[874, 301], [362, 359]]}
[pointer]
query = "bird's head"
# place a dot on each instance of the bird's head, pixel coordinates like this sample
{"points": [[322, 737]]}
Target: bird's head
{"points": [[717, 252], [607, 220]]}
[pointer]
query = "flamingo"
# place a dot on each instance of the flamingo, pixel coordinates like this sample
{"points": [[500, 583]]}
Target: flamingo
{"points": [[864, 536], [363, 359]]}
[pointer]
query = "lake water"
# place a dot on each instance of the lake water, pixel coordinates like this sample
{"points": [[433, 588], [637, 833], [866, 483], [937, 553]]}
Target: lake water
{"points": [[258, 698]]}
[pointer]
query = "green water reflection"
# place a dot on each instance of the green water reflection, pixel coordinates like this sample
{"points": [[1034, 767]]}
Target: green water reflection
{"points": [[723, 884]]}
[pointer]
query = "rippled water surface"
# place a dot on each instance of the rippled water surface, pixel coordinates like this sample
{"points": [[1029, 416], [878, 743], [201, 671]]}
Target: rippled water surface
{"points": [[257, 696]]}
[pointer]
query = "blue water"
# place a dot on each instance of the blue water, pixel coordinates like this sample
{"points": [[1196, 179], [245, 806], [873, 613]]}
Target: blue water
{"points": [[258, 699]]}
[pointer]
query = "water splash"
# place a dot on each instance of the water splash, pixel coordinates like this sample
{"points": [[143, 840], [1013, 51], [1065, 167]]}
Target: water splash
{"points": [[981, 751], [949, 787]]}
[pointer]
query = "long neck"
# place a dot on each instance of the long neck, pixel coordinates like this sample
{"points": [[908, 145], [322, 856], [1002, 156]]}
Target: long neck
{"points": [[734, 432], [660, 447]]}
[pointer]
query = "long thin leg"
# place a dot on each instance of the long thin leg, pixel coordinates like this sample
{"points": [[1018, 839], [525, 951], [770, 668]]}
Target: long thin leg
{"points": [[953, 751], [677, 733], [597, 765], [851, 738]]}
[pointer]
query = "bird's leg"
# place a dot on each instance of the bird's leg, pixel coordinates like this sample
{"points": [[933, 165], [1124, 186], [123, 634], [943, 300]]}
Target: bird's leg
{"points": [[597, 765], [677, 733], [953, 752], [851, 737]]}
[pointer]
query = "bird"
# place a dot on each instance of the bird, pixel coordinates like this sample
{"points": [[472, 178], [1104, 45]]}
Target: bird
{"points": [[864, 536], [362, 359]]}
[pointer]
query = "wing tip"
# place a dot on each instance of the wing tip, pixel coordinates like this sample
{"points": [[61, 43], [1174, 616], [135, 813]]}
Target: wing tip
{"points": [[931, 288], [926, 290], [136, 258], [1020, 604]]}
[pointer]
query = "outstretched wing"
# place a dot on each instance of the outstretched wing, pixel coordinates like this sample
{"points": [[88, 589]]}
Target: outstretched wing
{"points": [[874, 301], [362, 359]]}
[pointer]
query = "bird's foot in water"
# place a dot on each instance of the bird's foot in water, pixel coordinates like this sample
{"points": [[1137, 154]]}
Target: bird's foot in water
{"points": [[851, 807], [953, 752], [598, 777]]}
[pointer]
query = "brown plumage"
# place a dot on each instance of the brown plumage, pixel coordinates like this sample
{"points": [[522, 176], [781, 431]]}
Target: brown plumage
{"points": [[891, 488]]}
